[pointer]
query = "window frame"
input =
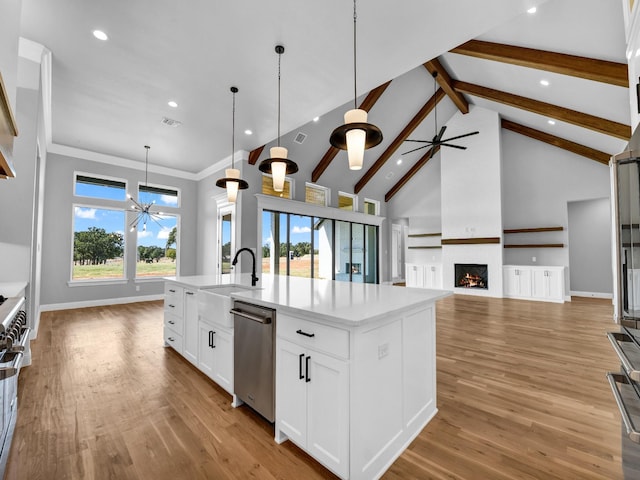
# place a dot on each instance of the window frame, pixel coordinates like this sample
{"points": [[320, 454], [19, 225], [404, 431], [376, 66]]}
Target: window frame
{"points": [[327, 193], [288, 180], [376, 204], [352, 196], [98, 176], [161, 187], [138, 279]]}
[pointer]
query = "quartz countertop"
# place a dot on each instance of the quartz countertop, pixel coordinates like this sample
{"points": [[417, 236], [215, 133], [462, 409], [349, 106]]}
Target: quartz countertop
{"points": [[344, 303], [13, 289]]}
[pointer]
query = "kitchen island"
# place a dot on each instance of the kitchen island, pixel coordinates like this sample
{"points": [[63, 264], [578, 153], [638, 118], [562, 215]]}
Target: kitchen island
{"points": [[355, 366]]}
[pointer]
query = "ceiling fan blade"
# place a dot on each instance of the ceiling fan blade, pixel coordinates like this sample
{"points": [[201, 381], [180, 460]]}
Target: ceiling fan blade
{"points": [[420, 141], [460, 136], [454, 146], [419, 148], [440, 134]]}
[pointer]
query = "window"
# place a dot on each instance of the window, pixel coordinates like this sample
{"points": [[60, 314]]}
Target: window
{"points": [[161, 196], [157, 248], [346, 201], [371, 207], [98, 243], [86, 185], [267, 187], [316, 194]]}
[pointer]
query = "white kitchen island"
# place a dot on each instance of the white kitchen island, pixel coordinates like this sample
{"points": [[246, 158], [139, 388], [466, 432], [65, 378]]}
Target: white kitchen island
{"points": [[355, 368]]}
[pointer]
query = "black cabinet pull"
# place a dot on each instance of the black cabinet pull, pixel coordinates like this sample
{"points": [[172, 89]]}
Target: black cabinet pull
{"points": [[210, 339], [172, 322], [306, 373], [189, 293], [310, 335], [172, 306], [172, 291], [300, 366], [171, 339], [212, 345]]}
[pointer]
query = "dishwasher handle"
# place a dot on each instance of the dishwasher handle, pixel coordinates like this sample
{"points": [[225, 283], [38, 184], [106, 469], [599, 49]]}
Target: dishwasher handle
{"points": [[255, 318]]}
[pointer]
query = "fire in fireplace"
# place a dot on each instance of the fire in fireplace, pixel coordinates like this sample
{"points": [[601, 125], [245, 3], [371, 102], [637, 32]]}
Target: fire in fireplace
{"points": [[471, 275]]}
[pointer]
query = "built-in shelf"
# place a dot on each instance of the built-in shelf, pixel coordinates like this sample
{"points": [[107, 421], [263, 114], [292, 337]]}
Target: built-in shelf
{"points": [[535, 245], [534, 230], [629, 244], [425, 246], [627, 226], [470, 241], [424, 235], [8, 130]]}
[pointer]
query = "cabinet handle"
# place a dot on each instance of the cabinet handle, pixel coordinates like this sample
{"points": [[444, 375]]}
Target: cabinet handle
{"points": [[172, 322], [310, 335], [170, 339], [172, 291], [212, 344], [189, 293], [172, 306], [306, 373], [300, 366], [210, 338]]}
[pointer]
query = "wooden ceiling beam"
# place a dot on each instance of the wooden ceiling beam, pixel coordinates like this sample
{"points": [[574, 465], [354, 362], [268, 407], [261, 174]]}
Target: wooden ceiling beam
{"points": [[444, 80], [568, 145], [597, 124], [402, 136], [331, 153], [582, 67], [255, 154], [412, 171]]}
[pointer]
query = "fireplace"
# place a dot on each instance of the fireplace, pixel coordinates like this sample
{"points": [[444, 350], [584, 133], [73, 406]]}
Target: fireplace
{"points": [[471, 275]]}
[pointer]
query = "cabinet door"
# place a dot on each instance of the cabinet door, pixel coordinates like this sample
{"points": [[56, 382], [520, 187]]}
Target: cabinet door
{"points": [[510, 281], [555, 284], [327, 381], [291, 391], [539, 284], [412, 275], [524, 282], [190, 340], [223, 365], [206, 352]]}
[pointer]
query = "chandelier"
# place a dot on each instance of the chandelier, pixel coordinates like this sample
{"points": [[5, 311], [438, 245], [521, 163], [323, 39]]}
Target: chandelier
{"points": [[143, 210]]}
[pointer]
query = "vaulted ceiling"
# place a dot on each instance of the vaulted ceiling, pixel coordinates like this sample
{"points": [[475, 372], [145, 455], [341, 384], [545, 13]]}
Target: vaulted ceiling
{"points": [[109, 97]]}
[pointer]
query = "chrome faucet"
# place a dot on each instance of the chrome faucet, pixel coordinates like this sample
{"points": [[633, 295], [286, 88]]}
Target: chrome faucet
{"points": [[254, 279]]}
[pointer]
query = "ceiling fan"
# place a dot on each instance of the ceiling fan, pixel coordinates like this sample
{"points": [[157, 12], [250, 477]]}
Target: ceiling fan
{"points": [[437, 140]]}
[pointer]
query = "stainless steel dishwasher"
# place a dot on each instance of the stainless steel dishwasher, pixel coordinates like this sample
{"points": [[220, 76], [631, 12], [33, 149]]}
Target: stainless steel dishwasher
{"points": [[254, 357]]}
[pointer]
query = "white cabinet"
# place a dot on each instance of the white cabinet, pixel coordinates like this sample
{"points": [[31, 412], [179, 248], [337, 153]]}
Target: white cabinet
{"points": [[173, 316], [542, 283], [427, 275], [312, 393], [215, 354], [190, 341]]}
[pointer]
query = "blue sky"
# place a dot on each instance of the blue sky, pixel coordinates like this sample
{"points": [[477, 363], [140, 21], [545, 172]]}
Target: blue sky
{"points": [[114, 220], [300, 229]]}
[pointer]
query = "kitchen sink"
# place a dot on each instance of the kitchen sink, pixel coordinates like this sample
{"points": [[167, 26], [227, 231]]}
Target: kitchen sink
{"points": [[215, 302]]}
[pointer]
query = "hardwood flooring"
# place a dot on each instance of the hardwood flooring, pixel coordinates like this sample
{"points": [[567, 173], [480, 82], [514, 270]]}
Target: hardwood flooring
{"points": [[522, 394]]}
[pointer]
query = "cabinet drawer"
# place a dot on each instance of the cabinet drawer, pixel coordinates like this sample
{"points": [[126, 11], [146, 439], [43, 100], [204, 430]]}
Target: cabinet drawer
{"points": [[323, 338], [173, 298], [172, 339], [173, 322]]}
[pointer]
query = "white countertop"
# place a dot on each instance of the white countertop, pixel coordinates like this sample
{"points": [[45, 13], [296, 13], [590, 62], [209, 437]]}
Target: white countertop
{"points": [[13, 289], [345, 303]]}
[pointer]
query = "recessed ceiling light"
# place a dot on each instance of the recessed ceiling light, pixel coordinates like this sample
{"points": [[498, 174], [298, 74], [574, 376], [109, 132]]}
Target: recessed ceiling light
{"points": [[315, 119], [532, 10], [172, 104], [399, 162], [551, 122], [100, 35], [248, 132], [544, 83]]}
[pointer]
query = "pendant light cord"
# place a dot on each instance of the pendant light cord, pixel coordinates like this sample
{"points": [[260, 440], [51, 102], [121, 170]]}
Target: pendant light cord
{"points": [[146, 166], [435, 103], [279, 58], [233, 127], [355, 89]]}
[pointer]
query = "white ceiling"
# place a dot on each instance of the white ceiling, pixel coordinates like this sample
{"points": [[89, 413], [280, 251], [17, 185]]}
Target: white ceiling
{"points": [[109, 97]]}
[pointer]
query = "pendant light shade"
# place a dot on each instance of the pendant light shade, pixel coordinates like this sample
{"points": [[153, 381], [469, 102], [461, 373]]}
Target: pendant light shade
{"points": [[232, 181], [143, 210], [356, 135], [279, 166]]}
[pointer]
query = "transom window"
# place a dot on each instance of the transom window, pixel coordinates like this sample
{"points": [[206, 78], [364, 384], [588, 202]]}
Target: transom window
{"points": [[267, 187], [86, 185]]}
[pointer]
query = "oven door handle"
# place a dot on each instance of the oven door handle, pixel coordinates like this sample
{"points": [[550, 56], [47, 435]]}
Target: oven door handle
{"points": [[7, 372], [255, 318], [614, 338], [614, 378]]}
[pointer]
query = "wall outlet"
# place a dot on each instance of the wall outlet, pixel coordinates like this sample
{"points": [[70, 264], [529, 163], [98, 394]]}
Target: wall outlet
{"points": [[533, 259], [383, 350], [137, 288]]}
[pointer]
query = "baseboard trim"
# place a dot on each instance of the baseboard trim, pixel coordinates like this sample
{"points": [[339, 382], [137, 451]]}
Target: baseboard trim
{"points": [[592, 294], [99, 303]]}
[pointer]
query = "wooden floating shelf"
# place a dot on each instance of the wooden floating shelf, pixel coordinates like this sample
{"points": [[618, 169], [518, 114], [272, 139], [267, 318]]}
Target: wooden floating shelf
{"points": [[626, 226], [470, 241], [426, 246], [534, 230], [424, 235], [627, 244], [535, 245]]}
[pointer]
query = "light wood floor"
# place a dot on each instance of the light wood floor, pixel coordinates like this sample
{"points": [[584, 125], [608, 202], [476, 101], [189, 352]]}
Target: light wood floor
{"points": [[521, 395]]}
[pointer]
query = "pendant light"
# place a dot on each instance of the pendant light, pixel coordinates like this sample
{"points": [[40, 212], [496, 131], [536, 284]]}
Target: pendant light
{"points": [[143, 210], [232, 181], [356, 135], [278, 165]]}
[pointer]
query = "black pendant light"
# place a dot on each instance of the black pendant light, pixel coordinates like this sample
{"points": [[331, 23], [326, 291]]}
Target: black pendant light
{"points": [[356, 135], [278, 165], [232, 181], [143, 210]]}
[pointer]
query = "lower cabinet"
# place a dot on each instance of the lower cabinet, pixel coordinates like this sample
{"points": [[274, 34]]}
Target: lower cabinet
{"points": [[534, 282], [215, 354], [190, 344], [312, 408], [427, 275]]}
